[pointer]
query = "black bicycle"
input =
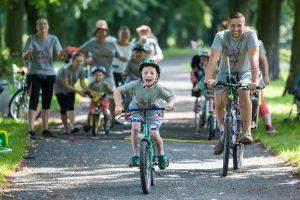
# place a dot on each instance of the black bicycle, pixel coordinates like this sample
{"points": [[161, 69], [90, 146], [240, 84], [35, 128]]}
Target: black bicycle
{"points": [[19, 103]]}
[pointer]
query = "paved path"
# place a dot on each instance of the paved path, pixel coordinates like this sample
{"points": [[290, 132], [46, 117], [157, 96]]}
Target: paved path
{"points": [[96, 168]]}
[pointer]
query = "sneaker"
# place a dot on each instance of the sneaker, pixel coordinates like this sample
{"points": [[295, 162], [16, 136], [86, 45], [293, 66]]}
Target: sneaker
{"points": [[163, 162], [253, 125], [74, 130], [106, 131], [270, 129], [219, 148], [31, 135], [86, 128], [247, 138], [134, 161], [47, 133]]}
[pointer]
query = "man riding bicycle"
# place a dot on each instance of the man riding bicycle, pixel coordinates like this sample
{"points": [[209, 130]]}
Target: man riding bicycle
{"points": [[240, 46]]}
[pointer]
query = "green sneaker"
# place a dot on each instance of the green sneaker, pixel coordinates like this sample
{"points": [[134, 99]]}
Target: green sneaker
{"points": [[163, 162], [134, 161]]}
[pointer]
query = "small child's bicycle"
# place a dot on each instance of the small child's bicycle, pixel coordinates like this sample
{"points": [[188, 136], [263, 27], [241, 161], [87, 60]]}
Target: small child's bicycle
{"points": [[97, 115], [148, 156]]}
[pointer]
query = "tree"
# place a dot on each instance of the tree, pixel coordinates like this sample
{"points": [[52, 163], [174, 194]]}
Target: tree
{"points": [[295, 59], [242, 6], [14, 26], [268, 24]]}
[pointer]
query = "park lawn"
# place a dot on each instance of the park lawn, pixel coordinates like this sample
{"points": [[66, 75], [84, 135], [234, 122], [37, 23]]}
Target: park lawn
{"points": [[18, 142], [286, 142]]}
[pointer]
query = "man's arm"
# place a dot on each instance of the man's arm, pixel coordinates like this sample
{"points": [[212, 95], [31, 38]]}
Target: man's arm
{"points": [[212, 65], [253, 57]]}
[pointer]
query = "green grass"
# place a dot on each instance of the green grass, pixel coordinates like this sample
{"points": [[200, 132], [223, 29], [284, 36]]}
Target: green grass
{"points": [[286, 142], [18, 142]]}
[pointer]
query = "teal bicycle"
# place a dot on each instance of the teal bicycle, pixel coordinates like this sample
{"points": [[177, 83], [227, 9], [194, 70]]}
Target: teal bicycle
{"points": [[148, 156]]}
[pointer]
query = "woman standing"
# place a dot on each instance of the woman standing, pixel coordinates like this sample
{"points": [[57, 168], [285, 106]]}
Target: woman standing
{"points": [[126, 50], [100, 51], [40, 51], [65, 91]]}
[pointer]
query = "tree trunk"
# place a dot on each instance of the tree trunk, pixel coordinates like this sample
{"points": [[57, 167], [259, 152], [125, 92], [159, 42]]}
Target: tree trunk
{"points": [[275, 63], [32, 17], [55, 19], [179, 37], [163, 34], [81, 32], [14, 26], [268, 31], [295, 58]]}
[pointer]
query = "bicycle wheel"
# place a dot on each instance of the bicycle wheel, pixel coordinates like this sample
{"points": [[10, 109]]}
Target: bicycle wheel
{"points": [[95, 123], [227, 142], [211, 128], [238, 154], [145, 167], [19, 105], [197, 115]]}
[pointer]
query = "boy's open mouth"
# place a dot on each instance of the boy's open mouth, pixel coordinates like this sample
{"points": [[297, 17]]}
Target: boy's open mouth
{"points": [[148, 80]]}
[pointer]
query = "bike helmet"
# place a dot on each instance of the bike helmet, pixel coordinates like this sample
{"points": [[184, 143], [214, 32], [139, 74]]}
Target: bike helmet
{"points": [[139, 47], [204, 54], [149, 62], [98, 69]]}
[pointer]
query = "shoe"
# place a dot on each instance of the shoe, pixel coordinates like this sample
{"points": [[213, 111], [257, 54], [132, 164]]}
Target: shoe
{"points": [[247, 138], [106, 131], [134, 161], [163, 162], [74, 130], [270, 129], [253, 125], [219, 148], [47, 133], [31, 135], [86, 128]]}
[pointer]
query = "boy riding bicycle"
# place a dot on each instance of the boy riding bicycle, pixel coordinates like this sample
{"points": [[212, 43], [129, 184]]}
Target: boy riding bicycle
{"points": [[99, 85], [198, 65], [146, 93]]}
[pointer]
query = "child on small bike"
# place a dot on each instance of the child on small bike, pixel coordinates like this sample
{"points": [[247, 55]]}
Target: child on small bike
{"points": [[198, 65], [99, 85], [146, 93]]}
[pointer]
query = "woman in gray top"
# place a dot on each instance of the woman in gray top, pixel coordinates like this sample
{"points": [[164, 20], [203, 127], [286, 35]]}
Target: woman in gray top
{"points": [[40, 51], [67, 76]]}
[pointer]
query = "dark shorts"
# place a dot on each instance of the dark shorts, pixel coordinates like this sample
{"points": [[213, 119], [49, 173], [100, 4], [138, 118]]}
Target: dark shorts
{"points": [[66, 102], [36, 83], [118, 79]]}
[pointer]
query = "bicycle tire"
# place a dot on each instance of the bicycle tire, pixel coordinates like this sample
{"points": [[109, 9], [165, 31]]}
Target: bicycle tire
{"points": [[197, 115], [22, 95], [227, 142], [145, 167], [238, 155], [211, 129], [95, 124]]}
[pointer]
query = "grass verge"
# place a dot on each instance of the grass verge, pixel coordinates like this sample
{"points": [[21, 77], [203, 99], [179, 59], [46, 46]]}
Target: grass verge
{"points": [[286, 142], [18, 142]]}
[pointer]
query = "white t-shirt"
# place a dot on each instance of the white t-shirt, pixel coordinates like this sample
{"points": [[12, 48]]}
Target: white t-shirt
{"points": [[118, 65]]}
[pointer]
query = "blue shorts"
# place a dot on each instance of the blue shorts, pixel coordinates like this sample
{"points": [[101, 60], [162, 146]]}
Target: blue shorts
{"points": [[154, 119]]}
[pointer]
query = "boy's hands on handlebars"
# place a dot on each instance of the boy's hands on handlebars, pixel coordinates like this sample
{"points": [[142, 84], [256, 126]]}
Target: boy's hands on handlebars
{"points": [[169, 106], [252, 86], [210, 82], [119, 109]]}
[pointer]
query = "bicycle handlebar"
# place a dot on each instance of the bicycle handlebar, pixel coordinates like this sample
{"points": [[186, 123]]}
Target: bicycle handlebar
{"points": [[143, 109], [243, 86]]}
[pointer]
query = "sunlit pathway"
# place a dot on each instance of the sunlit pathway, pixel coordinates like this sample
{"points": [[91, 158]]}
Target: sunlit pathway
{"points": [[97, 168]]}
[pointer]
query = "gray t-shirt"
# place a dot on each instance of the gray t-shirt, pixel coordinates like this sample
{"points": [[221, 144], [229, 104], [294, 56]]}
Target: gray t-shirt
{"points": [[103, 53], [41, 60], [70, 75], [234, 50], [146, 97], [103, 86], [132, 69]]}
